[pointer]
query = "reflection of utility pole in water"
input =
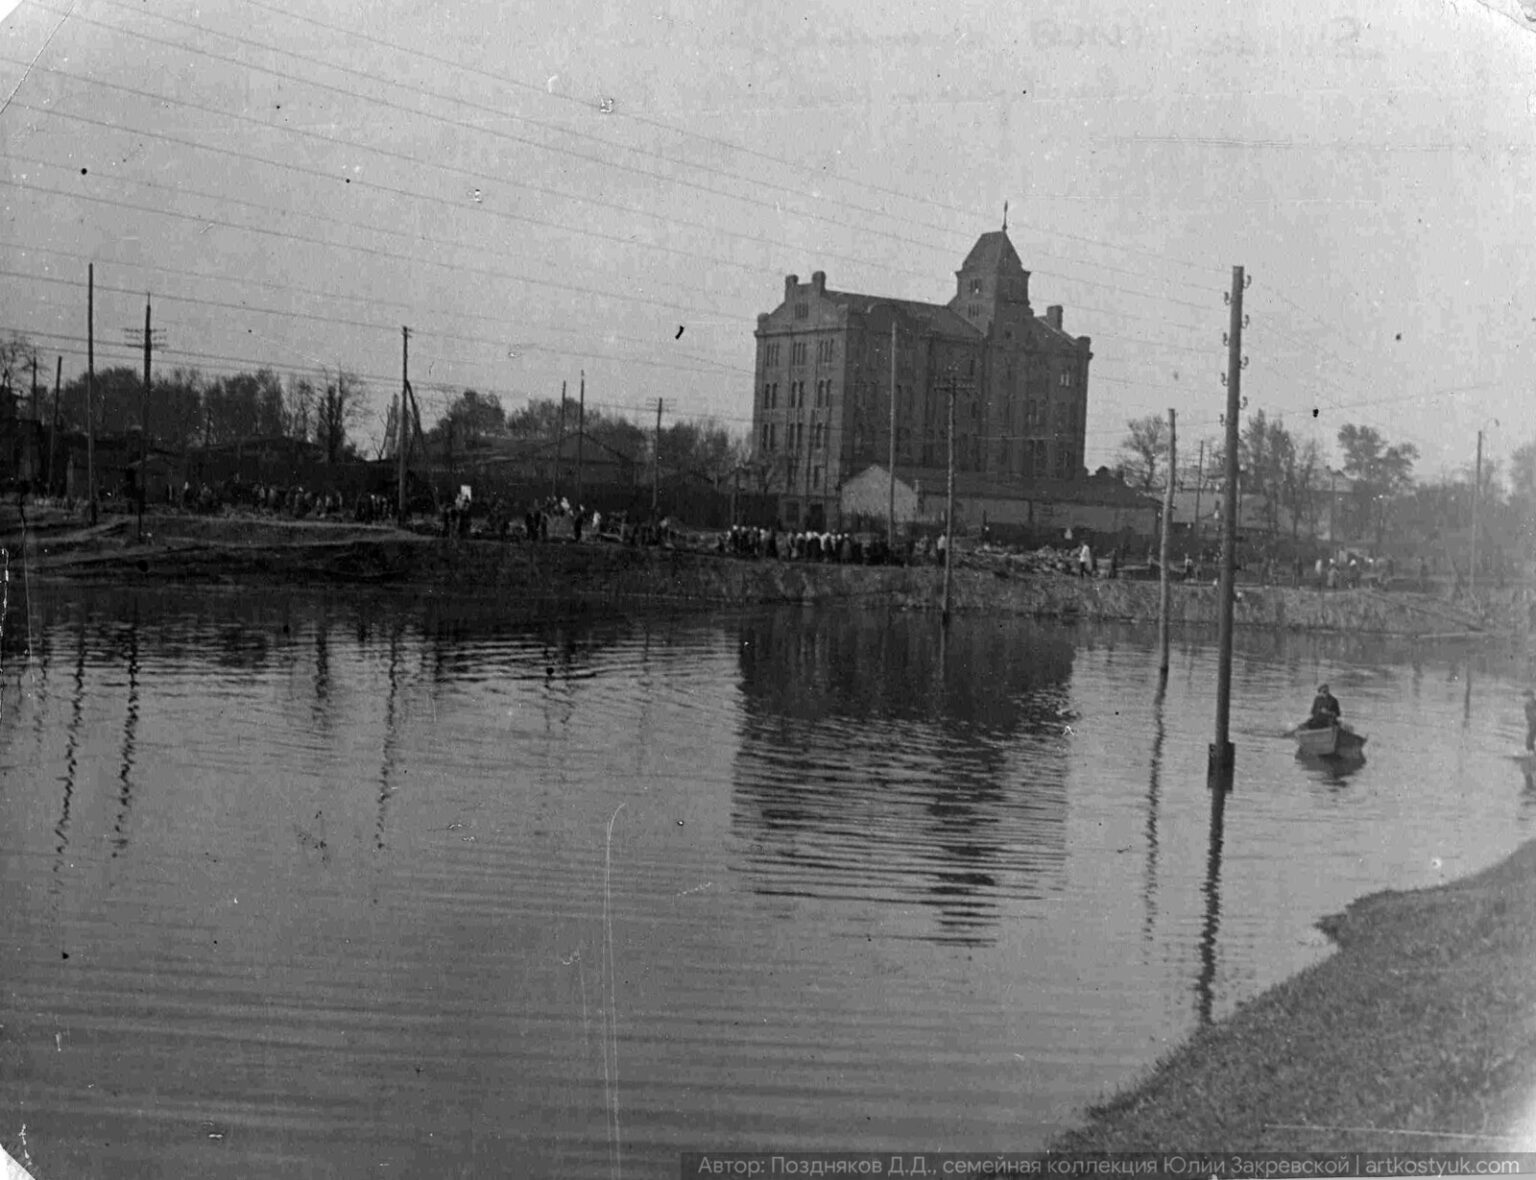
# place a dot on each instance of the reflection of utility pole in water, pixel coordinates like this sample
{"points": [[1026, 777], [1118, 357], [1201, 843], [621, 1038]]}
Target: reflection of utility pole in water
{"points": [[387, 769], [1212, 891], [1466, 700], [130, 739], [71, 759], [1149, 888]]}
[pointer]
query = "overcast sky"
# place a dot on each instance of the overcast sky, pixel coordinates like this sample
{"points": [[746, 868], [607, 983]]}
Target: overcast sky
{"points": [[537, 189]]}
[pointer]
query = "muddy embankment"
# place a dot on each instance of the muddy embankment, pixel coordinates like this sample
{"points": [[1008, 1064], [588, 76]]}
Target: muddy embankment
{"points": [[261, 550]]}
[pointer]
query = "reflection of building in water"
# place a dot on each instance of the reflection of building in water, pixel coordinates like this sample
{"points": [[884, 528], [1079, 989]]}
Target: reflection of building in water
{"points": [[885, 761]]}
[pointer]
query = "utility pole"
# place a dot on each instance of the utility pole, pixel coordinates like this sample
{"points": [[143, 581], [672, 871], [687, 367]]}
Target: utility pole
{"points": [[142, 483], [949, 507], [1477, 483], [581, 431], [53, 435], [144, 420], [143, 424], [890, 511], [90, 387], [1333, 506], [32, 465], [1166, 588], [400, 435], [1199, 479], [1222, 757], [554, 478], [656, 462]]}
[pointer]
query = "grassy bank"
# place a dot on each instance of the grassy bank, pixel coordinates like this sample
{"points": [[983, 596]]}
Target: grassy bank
{"points": [[1419, 1033]]}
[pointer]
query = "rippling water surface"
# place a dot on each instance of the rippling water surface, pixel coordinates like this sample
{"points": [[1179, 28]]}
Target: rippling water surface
{"points": [[306, 887]]}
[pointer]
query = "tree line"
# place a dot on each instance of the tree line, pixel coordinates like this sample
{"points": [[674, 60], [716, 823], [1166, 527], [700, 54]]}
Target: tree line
{"points": [[475, 423], [187, 409], [1381, 501]]}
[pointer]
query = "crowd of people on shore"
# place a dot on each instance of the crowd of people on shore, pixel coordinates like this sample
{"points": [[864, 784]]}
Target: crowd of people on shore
{"points": [[811, 545]]}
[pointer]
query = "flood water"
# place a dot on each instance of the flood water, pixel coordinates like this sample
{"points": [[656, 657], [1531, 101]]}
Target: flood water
{"points": [[346, 887]]}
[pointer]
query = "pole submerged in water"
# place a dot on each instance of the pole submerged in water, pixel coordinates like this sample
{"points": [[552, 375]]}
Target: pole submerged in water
{"points": [[949, 507], [1222, 755], [1165, 588]]}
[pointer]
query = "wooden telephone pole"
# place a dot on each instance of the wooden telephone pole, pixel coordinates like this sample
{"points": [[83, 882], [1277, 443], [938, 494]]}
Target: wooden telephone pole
{"points": [[400, 435], [53, 435], [90, 387], [890, 511], [581, 431], [656, 462], [949, 505], [1165, 589], [146, 336], [1222, 758]]}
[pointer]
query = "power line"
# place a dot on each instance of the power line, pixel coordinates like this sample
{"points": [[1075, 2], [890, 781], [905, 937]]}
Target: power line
{"points": [[331, 178], [715, 141], [457, 268], [348, 246], [570, 131], [367, 300], [462, 125]]}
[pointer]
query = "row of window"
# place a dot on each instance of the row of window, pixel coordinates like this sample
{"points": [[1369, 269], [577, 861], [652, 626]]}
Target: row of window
{"points": [[796, 394], [826, 353], [799, 352], [1036, 416], [793, 480], [794, 436]]}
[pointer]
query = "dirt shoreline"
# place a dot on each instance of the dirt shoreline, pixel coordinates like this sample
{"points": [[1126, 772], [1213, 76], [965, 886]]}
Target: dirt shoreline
{"points": [[1417, 1034], [232, 550]]}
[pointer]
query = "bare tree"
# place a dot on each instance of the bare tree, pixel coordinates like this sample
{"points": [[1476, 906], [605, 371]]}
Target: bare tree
{"points": [[16, 355], [340, 407], [1145, 448], [301, 409]]}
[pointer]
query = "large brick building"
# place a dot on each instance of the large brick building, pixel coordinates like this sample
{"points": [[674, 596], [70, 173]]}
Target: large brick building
{"points": [[822, 402]]}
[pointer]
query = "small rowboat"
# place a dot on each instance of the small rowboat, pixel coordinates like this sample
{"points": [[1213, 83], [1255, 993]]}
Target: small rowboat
{"points": [[1334, 741]]}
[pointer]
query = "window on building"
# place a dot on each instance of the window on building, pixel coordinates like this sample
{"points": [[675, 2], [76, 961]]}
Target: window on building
{"points": [[802, 310], [791, 512], [972, 311], [816, 477], [1064, 379], [773, 436], [975, 286], [797, 352], [763, 445]]}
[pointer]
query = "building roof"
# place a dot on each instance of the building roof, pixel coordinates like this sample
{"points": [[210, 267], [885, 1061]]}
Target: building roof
{"points": [[977, 485], [993, 252], [935, 317]]}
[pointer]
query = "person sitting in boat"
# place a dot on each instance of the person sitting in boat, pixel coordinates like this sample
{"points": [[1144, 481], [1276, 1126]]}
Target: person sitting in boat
{"points": [[1325, 709]]}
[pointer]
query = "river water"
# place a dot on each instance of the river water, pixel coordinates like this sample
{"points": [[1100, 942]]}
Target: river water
{"points": [[344, 887]]}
